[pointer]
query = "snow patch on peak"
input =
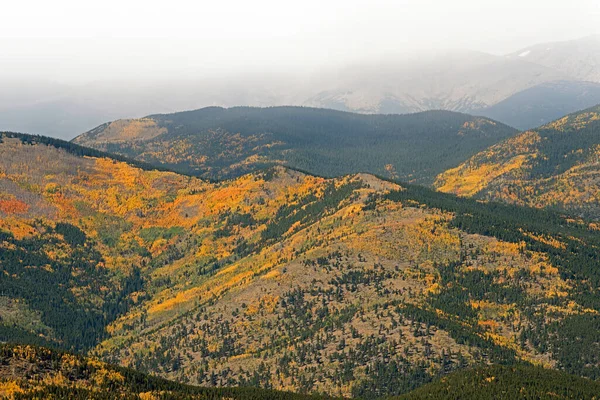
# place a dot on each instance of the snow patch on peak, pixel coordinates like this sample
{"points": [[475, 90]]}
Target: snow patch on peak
{"points": [[525, 53]]}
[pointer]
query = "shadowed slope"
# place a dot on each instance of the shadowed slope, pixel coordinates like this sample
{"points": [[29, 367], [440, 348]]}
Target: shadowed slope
{"points": [[222, 143]]}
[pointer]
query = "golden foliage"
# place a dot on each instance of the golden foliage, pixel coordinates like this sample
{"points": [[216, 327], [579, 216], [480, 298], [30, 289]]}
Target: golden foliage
{"points": [[465, 181], [8, 389], [179, 231], [126, 130], [504, 171]]}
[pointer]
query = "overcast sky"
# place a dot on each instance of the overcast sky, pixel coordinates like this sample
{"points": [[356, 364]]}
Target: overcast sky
{"points": [[78, 41]]}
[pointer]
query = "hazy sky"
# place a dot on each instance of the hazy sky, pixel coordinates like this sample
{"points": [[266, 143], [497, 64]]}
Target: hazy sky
{"points": [[79, 41]]}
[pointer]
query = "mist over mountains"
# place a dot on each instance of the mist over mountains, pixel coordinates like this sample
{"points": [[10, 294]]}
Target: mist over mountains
{"points": [[312, 200], [465, 81]]}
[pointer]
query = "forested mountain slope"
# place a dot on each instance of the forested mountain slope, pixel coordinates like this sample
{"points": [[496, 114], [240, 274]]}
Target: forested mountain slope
{"points": [[223, 143], [29, 372], [556, 165], [507, 383], [348, 286]]}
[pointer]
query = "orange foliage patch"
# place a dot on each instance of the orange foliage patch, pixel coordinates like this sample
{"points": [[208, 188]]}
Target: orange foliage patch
{"points": [[13, 207]]}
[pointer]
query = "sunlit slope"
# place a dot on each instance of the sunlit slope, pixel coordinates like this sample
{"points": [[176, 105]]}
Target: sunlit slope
{"points": [[353, 286], [376, 297], [556, 165], [94, 229], [224, 143]]}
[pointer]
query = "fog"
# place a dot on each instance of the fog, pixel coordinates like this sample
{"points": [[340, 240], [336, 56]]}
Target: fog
{"points": [[77, 64], [70, 41]]}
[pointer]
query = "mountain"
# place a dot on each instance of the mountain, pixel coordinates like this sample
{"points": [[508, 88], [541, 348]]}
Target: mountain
{"points": [[458, 81], [543, 103], [353, 286], [464, 81], [579, 59], [555, 165], [64, 111], [224, 143], [30, 372]]}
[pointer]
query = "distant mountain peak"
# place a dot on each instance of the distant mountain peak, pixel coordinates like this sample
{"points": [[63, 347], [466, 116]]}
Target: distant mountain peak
{"points": [[578, 59], [544, 103]]}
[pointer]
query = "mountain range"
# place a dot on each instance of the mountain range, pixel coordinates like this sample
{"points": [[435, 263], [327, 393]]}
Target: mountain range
{"points": [[460, 81], [577, 58], [550, 166], [354, 285], [463, 81]]}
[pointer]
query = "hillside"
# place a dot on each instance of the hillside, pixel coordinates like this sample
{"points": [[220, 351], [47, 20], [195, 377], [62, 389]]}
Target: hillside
{"points": [[225, 143], [351, 286], [508, 383], [29, 372], [543, 103], [555, 165]]}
